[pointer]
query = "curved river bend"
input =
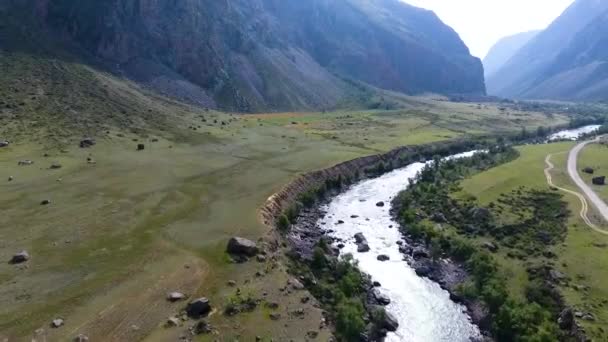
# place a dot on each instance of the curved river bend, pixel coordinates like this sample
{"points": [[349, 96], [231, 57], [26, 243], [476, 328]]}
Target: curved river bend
{"points": [[424, 310]]}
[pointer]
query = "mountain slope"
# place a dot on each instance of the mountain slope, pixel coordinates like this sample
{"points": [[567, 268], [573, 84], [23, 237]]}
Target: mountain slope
{"points": [[504, 49], [530, 66], [251, 55]]}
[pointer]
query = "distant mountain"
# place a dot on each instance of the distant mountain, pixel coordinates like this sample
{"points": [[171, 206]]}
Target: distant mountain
{"points": [[504, 49], [565, 61], [251, 55]]}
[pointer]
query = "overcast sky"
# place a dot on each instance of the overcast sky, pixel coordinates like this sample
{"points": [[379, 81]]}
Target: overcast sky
{"points": [[480, 23]]}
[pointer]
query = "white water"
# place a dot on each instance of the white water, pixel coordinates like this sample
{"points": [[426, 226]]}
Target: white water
{"points": [[573, 134], [424, 310]]}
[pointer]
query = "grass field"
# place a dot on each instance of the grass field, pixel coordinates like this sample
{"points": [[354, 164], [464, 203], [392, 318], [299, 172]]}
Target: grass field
{"points": [[582, 257], [121, 232]]}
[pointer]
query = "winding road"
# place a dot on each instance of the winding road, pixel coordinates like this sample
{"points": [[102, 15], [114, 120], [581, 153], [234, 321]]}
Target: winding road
{"points": [[597, 202]]}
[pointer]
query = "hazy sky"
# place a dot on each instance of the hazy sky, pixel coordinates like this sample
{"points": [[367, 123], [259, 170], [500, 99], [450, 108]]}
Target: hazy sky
{"points": [[480, 23]]}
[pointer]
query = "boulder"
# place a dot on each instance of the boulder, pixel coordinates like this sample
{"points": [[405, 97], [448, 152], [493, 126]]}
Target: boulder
{"points": [[588, 170], [490, 246], [25, 162], [45, 202], [480, 213], [241, 246], [172, 321], [599, 180], [4, 143], [380, 204], [55, 166], [380, 297], [20, 257], [202, 327], [57, 322], [385, 320], [566, 319], [198, 307], [296, 284], [383, 257], [10, 178], [175, 296], [141, 147], [87, 142], [275, 316], [376, 284], [423, 270], [439, 218], [360, 238], [81, 338], [419, 253], [363, 248]]}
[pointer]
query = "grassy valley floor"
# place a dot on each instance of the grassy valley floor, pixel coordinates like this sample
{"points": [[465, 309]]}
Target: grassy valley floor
{"points": [[124, 227]]}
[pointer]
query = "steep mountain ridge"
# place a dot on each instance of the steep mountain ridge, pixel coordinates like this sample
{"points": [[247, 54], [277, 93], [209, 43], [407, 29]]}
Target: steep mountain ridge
{"points": [[504, 49], [531, 72], [251, 55]]}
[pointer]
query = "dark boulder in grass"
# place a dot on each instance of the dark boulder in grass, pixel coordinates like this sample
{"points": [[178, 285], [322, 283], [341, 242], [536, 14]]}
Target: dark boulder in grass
{"points": [[4, 143], [599, 180], [198, 308], [87, 142], [242, 246], [588, 170], [141, 147], [20, 257]]}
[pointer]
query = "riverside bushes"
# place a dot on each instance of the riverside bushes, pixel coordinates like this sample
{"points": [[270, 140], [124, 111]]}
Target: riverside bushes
{"points": [[537, 219]]}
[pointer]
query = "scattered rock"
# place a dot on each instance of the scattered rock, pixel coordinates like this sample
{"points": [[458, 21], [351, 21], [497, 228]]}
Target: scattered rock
{"points": [[10, 178], [360, 238], [312, 334], [340, 222], [141, 147], [419, 253], [480, 213], [272, 305], [386, 320], [87, 142], [305, 299], [275, 316], [198, 307], [81, 338], [439, 218], [231, 283], [241, 246], [25, 162], [354, 216], [490, 246], [4, 143], [380, 297], [599, 180], [296, 284], [363, 248], [201, 327], [57, 322], [557, 276], [175, 296], [45, 202], [172, 321], [380, 204], [423, 270], [588, 317], [261, 258], [20, 257], [383, 257], [55, 166], [376, 284]]}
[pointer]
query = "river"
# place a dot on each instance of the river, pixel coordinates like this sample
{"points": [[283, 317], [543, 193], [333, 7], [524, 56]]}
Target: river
{"points": [[424, 310], [573, 134]]}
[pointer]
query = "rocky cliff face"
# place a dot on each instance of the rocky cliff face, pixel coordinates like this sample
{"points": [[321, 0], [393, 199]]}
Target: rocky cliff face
{"points": [[251, 55], [565, 61]]}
